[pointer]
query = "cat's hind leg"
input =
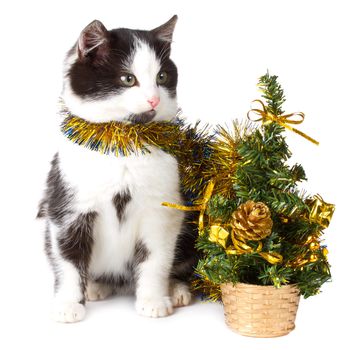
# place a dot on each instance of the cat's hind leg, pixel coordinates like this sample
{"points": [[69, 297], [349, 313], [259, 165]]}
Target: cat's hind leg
{"points": [[180, 294], [97, 290]]}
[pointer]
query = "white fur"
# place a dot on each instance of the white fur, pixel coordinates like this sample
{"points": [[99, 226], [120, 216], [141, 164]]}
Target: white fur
{"points": [[151, 179], [154, 307], [68, 312]]}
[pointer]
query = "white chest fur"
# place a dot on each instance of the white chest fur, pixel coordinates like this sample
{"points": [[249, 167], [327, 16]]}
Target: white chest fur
{"points": [[151, 179]]}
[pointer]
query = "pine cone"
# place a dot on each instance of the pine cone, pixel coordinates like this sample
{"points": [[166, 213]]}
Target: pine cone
{"points": [[252, 221]]}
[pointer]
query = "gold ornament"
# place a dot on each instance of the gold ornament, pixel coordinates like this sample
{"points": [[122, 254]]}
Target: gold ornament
{"points": [[284, 219], [321, 212], [267, 117], [297, 262], [252, 221], [313, 258], [310, 239], [325, 252], [218, 235], [314, 246]]}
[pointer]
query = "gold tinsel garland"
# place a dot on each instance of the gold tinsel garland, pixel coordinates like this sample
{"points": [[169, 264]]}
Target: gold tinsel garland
{"points": [[189, 144], [120, 138], [225, 158]]}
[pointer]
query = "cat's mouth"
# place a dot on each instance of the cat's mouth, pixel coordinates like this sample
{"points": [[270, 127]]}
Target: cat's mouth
{"points": [[144, 117]]}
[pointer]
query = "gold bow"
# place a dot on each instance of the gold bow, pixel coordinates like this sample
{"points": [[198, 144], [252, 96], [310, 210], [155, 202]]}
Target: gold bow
{"points": [[218, 234], [321, 212], [284, 120], [201, 205]]}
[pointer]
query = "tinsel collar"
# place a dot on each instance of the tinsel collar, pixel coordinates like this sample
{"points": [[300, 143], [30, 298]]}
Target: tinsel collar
{"points": [[123, 138], [189, 144]]}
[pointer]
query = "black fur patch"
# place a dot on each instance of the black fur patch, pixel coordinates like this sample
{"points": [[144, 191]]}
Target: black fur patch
{"points": [[89, 79], [113, 280], [120, 201], [76, 242], [141, 253], [186, 254], [58, 195]]}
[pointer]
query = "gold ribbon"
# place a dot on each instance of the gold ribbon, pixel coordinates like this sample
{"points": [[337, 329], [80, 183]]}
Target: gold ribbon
{"points": [[201, 205], [321, 212], [218, 234], [272, 257], [284, 120]]}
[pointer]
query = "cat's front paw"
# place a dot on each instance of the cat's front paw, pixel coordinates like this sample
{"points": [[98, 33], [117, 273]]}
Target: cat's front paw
{"points": [[68, 312], [154, 307]]}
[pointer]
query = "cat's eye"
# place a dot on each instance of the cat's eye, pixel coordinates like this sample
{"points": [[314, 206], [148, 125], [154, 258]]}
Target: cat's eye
{"points": [[128, 80], [162, 78]]}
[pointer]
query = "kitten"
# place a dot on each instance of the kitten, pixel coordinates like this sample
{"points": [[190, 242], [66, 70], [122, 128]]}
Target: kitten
{"points": [[105, 226]]}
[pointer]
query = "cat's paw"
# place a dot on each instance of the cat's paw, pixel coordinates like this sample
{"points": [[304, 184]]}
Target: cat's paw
{"points": [[181, 296], [97, 291], [68, 312], [154, 307]]}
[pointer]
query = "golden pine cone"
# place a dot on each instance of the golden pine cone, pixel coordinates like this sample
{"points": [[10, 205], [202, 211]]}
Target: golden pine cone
{"points": [[252, 221]]}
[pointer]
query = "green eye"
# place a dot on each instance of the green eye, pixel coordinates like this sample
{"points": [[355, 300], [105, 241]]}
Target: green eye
{"points": [[128, 80], [162, 78]]}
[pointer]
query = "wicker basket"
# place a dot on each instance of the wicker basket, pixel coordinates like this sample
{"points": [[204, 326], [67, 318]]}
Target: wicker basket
{"points": [[260, 311]]}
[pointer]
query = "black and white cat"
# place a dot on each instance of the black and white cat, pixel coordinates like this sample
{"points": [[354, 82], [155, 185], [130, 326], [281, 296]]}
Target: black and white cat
{"points": [[105, 226]]}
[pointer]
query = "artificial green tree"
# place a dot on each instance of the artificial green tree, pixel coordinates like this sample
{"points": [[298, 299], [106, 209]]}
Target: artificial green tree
{"points": [[250, 163]]}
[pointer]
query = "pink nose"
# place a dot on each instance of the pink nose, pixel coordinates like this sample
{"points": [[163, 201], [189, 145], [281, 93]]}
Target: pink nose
{"points": [[154, 101]]}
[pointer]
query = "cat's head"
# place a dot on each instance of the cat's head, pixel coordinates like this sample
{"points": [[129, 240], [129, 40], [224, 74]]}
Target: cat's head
{"points": [[121, 74]]}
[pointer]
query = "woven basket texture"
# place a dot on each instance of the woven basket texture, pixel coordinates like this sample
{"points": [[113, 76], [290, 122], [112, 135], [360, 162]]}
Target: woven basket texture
{"points": [[260, 311]]}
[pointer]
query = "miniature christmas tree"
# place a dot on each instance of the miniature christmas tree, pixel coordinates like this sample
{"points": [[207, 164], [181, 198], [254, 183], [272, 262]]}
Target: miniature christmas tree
{"points": [[258, 226]]}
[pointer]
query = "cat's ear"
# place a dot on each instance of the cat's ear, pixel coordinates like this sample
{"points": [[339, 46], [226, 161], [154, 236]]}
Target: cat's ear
{"points": [[94, 41], [165, 31]]}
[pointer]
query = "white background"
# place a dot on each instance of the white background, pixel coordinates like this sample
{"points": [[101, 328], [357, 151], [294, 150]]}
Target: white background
{"points": [[221, 48]]}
